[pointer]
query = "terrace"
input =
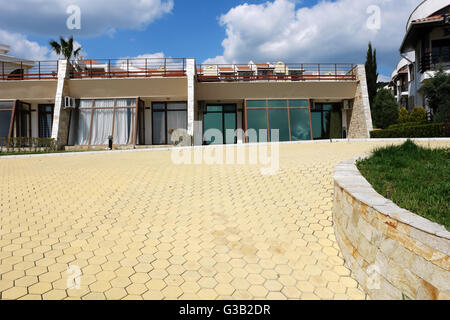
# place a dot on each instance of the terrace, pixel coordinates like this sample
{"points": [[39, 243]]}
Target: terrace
{"points": [[276, 72], [94, 68]]}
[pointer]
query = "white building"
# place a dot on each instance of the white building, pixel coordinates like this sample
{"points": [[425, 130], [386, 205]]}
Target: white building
{"points": [[426, 45]]}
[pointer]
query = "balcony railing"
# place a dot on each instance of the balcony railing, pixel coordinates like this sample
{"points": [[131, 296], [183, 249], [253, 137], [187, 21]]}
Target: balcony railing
{"points": [[276, 72], [430, 62], [95, 68], [28, 70], [128, 68]]}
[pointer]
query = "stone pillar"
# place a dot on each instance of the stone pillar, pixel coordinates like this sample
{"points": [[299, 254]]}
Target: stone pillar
{"points": [[190, 72], [360, 123], [60, 128]]}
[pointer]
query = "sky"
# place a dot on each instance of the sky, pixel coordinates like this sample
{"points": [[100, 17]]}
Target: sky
{"points": [[213, 31]]}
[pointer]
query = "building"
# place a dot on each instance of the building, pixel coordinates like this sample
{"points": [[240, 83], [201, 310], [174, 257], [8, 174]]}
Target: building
{"points": [[402, 82], [144, 101], [425, 46]]}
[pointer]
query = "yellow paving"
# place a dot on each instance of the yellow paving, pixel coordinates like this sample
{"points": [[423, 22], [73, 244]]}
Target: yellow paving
{"points": [[139, 226]]}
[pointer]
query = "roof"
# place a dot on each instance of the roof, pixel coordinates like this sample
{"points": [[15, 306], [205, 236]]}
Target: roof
{"points": [[17, 61], [262, 65], [226, 69], [244, 68], [91, 62], [436, 18]]}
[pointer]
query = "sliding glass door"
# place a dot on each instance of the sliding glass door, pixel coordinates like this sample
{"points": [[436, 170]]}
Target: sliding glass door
{"points": [[167, 117], [45, 120], [219, 124], [326, 121]]}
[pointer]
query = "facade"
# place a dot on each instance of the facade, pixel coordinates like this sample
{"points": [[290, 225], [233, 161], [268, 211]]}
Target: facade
{"points": [[83, 103], [426, 46]]}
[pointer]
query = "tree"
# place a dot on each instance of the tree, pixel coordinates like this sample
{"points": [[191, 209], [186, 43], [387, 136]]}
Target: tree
{"points": [[371, 73], [437, 92], [65, 48], [385, 109]]}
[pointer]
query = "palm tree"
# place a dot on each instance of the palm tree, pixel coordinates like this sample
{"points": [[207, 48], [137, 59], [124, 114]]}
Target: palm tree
{"points": [[65, 48]]}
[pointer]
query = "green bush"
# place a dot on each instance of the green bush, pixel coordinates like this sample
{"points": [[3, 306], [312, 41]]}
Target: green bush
{"points": [[385, 109], [432, 130], [406, 124], [31, 144], [403, 115], [418, 114]]}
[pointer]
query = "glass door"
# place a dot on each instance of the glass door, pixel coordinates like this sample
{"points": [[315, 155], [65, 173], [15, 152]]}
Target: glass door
{"points": [[219, 124]]}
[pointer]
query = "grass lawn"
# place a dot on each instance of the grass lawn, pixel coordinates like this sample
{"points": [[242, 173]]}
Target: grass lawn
{"points": [[415, 178]]}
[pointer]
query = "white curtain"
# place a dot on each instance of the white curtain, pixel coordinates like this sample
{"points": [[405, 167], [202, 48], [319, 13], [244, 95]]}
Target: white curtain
{"points": [[84, 121], [175, 120], [102, 122], [124, 121]]}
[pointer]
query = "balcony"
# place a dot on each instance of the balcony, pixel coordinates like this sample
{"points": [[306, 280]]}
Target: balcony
{"points": [[95, 68], [276, 72], [430, 62]]}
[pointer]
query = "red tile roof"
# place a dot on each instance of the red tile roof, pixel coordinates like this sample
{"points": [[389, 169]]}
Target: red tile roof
{"points": [[262, 65], [245, 68], [229, 69], [403, 70], [91, 62], [434, 16]]}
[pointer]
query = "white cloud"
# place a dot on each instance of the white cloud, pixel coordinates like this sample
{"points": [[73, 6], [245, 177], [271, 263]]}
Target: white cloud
{"points": [[48, 17], [23, 48], [326, 32]]}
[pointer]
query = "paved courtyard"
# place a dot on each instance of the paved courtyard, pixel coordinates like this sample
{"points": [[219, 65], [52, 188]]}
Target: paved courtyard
{"points": [[141, 227]]}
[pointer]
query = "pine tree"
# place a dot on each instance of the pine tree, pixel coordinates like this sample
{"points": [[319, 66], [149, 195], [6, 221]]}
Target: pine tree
{"points": [[371, 73]]}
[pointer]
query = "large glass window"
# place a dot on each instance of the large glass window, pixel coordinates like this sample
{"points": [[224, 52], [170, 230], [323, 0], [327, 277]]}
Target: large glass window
{"points": [[94, 121], [45, 119], [290, 117], [168, 117]]}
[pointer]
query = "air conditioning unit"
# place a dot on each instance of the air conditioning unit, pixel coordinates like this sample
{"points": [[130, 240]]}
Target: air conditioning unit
{"points": [[69, 103], [347, 105]]}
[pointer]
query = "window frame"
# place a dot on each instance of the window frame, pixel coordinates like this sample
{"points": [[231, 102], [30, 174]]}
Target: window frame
{"points": [[41, 113], [165, 111]]}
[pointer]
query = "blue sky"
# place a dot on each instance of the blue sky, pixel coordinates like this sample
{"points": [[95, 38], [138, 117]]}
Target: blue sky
{"points": [[219, 31]]}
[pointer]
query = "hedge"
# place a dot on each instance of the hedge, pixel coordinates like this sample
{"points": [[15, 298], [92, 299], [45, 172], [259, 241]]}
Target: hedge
{"points": [[41, 144], [432, 130]]}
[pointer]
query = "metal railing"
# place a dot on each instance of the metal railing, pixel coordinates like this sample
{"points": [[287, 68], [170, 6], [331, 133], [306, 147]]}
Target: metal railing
{"points": [[128, 68], [429, 62], [276, 72], [28, 70], [94, 68]]}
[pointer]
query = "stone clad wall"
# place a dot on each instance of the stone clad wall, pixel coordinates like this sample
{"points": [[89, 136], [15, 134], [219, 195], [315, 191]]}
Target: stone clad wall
{"points": [[360, 123], [393, 253]]}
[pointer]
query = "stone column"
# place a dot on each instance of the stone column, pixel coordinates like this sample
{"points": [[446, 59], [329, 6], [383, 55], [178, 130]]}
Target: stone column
{"points": [[60, 128], [190, 72]]}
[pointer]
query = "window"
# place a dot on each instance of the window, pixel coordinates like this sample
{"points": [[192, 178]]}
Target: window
{"points": [[45, 120], [6, 111], [440, 51], [94, 121], [167, 117], [290, 117], [220, 118], [326, 121]]}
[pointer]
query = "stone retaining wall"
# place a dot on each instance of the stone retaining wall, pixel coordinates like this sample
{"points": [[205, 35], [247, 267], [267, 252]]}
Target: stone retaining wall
{"points": [[393, 253]]}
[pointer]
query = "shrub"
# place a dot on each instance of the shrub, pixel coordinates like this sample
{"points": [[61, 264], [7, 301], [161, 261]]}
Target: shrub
{"points": [[385, 109], [432, 130], [403, 115], [443, 113], [402, 125], [418, 114]]}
